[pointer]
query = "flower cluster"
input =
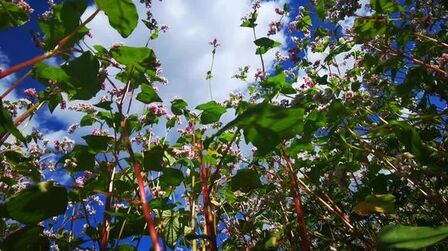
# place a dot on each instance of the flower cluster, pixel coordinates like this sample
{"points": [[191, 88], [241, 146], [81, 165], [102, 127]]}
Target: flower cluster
{"points": [[242, 73], [82, 107], [24, 6], [65, 145], [157, 109], [214, 43], [31, 93], [185, 150], [260, 75]]}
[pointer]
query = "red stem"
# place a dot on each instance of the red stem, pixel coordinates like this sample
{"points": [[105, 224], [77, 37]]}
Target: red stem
{"points": [[15, 85], [49, 54], [305, 242], [25, 64], [19, 120], [207, 205], [146, 210], [106, 220]]}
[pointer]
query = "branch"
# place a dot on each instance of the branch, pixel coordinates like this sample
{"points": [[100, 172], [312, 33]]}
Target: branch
{"points": [[57, 50], [305, 241], [142, 193], [206, 201]]}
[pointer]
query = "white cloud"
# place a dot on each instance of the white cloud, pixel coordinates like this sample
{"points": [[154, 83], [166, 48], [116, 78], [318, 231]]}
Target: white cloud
{"points": [[184, 50], [7, 81]]}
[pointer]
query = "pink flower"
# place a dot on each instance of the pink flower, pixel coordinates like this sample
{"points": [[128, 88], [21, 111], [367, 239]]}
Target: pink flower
{"points": [[256, 5], [157, 109], [164, 28], [31, 93], [63, 104], [67, 144], [35, 150], [25, 6], [279, 11], [72, 128], [169, 116], [82, 107], [214, 43], [186, 151], [142, 119], [280, 58], [96, 132], [79, 182], [274, 27], [261, 75], [308, 82], [188, 130]]}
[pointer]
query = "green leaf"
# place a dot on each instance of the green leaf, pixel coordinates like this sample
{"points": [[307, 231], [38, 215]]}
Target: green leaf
{"points": [[132, 56], [106, 105], [133, 225], [245, 180], [85, 159], [122, 14], [265, 44], [54, 100], [87, 120], [410, 138], [266, 125], [279, 84], [65, 19], [384, 6], [161, 203], [7, 125], [71, 12], [377, 203], [154, 29], [209, 75], [126, 247], [11, 15], [408, 237], [153, 159], [100, 49], [250, 22], [170, 123], [83, 73], [305, 22], [368, 29], [98, 144], [178, 106], [22, 165], [171, 177], [271, 241], [27, 238], [37, 203], [320, 9], [43, 73], [135, 58], [172, 227], [298, 146], [29, 170], [148, 94], [211, 112]]}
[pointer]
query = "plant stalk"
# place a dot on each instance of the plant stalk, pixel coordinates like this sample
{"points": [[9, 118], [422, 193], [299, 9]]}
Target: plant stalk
{"points": [[142, 193]]}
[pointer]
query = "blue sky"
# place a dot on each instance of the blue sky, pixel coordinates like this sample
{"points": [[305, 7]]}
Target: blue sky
{"points": [[183, 51]]}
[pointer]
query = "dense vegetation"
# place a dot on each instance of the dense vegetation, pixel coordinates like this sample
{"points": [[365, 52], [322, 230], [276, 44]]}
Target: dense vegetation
{"points": [[348, 152]]}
